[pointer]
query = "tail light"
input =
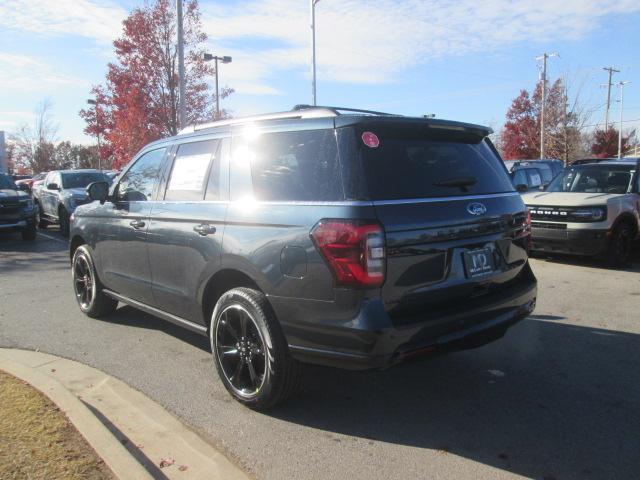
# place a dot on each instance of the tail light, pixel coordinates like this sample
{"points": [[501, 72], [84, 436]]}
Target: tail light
{"points": [[353, 249]]}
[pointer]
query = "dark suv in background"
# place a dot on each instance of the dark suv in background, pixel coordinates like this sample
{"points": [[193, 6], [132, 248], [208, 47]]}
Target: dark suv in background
{"points": [[17, 213], [354, 240]]}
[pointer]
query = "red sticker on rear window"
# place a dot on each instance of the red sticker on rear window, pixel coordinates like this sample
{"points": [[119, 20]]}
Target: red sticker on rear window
{"points": [[370, 139]]}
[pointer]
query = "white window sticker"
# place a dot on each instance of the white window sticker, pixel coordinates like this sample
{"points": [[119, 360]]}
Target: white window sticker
{"points": [[535, 180], [189, 172]]}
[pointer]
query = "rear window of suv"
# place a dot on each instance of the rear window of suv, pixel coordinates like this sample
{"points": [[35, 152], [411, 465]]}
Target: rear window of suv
{"points": [[416, 161]]}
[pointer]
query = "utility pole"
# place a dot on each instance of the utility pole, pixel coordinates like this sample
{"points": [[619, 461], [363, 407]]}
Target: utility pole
{"points": [[611, 71], [544, 58], [313, 51], [182, 112], [621, 85]]}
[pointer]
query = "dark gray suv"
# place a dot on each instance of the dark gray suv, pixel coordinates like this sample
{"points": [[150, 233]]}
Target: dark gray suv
{"points": [[357, 240]]}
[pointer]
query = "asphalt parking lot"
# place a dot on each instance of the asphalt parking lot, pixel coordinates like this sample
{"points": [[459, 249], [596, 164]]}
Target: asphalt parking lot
{"points": [[558, 397]]}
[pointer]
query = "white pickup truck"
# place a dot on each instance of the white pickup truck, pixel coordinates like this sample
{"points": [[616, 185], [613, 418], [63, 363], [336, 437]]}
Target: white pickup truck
{"points": [[591, 208]]}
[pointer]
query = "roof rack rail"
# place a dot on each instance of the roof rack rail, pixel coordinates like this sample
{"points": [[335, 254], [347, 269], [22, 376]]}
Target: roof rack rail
{"points": [[313, 112], [584, 161], [337, 110]]}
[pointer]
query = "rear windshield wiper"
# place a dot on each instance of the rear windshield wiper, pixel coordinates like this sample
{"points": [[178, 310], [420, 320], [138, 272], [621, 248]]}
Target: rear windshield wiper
{"points": [[461, 182]]}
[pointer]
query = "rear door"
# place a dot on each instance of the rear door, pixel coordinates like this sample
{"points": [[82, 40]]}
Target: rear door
{"points": [[449, 211], [186, 227]]}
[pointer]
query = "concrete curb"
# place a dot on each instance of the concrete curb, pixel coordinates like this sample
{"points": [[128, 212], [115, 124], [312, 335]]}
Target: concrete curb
{"points": [[137, 427], [121, 463]]}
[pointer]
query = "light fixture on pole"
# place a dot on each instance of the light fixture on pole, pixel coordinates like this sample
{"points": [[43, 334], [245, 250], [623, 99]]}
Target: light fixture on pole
{"points": [[313, 51], [93, 102], [621, 85], [226, 59]]}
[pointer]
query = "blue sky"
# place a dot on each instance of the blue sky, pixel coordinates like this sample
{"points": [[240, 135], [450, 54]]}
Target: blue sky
{"points": [[459, 59]]}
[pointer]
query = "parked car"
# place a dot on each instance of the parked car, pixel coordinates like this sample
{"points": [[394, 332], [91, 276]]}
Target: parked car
{"points": [[529, 176], [31, 180], [61, 193], [17, 213], [357, 240], [592, 208]]}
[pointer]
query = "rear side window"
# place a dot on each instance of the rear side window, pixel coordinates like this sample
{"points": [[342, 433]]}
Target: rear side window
{"points": [[412, 161], [190, 170], [520, 178], [294, 166]]}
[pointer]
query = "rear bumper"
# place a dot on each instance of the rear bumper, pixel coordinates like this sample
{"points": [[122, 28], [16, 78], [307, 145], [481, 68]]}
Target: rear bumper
{"points": [[577, 242], [371, 340]]}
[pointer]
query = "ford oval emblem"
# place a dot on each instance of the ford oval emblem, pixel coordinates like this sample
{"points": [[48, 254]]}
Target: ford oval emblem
{"points": [[476, 208]]}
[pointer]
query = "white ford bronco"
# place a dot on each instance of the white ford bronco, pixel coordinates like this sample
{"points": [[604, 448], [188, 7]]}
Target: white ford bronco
{"points": [[591, 208]]}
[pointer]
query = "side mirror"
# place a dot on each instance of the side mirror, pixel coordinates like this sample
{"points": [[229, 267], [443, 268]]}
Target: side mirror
{"points": [[522, 188], [53, 186], [542, 188], [98, 191]]}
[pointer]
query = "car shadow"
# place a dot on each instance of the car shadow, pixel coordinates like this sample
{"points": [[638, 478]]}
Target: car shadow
{"points": [[593, 262], [550, 400], [42, 253], [132, 317]]}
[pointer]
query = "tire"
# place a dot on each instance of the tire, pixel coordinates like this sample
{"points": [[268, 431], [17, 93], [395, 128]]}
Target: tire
{"points": [[63, 218], [620, 244], [92, 301], [253, 361], [40, 221], [29, 233]]}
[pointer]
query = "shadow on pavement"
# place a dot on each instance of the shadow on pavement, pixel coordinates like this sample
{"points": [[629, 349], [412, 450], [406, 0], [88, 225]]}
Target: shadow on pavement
{"points": [[593, 262], [42, 253], [549, 401], [126, 315]]}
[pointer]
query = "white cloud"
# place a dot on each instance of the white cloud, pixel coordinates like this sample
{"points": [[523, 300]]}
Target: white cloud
{"points": [[99, 21], [374, 42], [24, 73]]}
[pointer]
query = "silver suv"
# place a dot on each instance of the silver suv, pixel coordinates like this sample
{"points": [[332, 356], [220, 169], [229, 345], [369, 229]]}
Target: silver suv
{"points": [[62, 191], [592, 208]]}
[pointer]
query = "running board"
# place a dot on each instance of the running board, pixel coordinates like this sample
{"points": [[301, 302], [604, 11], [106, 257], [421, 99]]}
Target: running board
{"points": [[194, 327]]}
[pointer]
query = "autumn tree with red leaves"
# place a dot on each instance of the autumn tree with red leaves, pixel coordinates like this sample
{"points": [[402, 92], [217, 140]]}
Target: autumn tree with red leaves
{"points": [[605, 143], [520, 136], [140, 99]]}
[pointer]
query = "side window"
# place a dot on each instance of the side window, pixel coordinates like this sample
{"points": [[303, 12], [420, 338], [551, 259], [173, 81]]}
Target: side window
{"points": [[190, 170], [138, 184], [294, 166], [520, 178]]}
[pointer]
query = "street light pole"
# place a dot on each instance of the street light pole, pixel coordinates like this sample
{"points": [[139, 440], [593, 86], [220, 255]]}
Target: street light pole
{"points": [[621, 85], [182, 109], [313, 51], [544, 58], [208, 57], [95, 104]]}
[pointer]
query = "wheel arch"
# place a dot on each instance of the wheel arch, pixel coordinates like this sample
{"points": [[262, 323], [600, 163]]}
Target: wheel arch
{"points": [[629, 219], [221, 282], [74, 243]]}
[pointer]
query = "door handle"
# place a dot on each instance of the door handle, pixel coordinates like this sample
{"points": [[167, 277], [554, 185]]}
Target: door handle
{"points": [[204, 229], [137, 224]]}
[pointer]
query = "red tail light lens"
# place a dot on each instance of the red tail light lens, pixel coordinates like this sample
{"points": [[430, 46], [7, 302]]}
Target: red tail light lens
{"points": [[353, 249]]}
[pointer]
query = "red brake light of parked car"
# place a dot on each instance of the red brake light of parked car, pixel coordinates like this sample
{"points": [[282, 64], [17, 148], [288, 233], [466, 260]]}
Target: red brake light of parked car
{"points": [[353, 249]]}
